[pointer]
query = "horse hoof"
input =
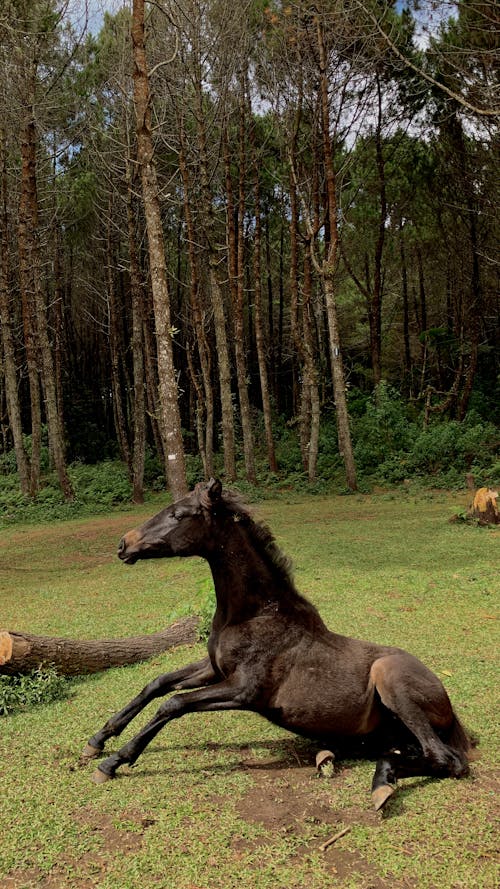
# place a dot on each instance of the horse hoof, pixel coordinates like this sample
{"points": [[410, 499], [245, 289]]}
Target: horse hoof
{"points": [[324, 763], [89, 753], [381, 795], [101, 777]]}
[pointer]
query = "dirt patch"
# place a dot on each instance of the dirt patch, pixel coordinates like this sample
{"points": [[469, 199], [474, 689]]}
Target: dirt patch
{"points": [[118, 835], [291, 801]]}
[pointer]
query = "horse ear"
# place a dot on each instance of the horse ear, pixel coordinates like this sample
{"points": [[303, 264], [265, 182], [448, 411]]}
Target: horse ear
{"points": [[211, 493]]}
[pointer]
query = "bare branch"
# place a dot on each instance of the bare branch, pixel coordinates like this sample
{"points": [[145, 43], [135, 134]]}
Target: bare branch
{"points": [[483, 112]]}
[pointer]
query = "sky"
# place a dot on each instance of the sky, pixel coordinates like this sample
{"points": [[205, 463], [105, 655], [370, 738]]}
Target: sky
{"points": [[92, 10], [428, 17]]}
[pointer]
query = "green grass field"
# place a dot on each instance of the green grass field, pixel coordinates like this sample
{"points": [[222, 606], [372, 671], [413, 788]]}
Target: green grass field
{"points": [[228, 800]]}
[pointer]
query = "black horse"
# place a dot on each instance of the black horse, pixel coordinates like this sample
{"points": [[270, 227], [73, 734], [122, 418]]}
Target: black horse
{"points": [[270, 652]]}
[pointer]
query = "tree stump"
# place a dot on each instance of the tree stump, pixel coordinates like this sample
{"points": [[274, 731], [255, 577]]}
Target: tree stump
{"points": [[484, 507], [23, 652]]}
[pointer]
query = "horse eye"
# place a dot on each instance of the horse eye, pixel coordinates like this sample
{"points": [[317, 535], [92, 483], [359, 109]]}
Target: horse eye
{"points": [[182, 513]]}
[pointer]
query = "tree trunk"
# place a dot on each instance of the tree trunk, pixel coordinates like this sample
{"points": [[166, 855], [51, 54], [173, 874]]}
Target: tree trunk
{"points": [[198, 410], [151, 375], [295, 327], [9, 351], [224, 370], [39, 316], [238, 306], [273, 345], [139, 439], [23, 652], [216, 295], [327, 272], [422, 315], [343, 430], [484, 507], [26, 286], [407, 366], [58, 320], [10, 375], [259, 332], [115, 347], [310, 372], [171, 421], [281, 311], [475, 302], [204, 405], [375, 313], [296, 333]]}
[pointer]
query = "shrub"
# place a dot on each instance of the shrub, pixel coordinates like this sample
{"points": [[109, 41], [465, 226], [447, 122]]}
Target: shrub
{"points": [[446, 445], [206, 609], [103, 484], [39, 687], [288, 450], [154, 474], [391, 445], [383, 430], [97, 488]]}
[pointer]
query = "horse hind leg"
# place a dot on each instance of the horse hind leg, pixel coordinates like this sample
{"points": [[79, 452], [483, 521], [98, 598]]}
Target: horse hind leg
{"points": [[412, 693], [394, 765]]}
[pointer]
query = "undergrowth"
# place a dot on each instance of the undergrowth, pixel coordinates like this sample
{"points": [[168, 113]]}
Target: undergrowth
{"points": [[392, 445], [41, 686], [206, 609]]}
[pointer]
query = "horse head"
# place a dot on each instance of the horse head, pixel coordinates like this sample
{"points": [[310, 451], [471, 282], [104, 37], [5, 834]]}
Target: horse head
{"points": [[182, 529]]}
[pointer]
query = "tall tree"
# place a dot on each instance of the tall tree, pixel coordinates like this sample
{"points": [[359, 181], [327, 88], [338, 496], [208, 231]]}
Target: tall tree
{"points": [[171, 422], [8, 342], [36, 39], [258, 308], [327, 267]]}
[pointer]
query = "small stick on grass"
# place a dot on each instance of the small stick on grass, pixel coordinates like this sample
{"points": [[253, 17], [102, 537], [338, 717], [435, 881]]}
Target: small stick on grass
{"points": [[333, 839], [296, 755]]}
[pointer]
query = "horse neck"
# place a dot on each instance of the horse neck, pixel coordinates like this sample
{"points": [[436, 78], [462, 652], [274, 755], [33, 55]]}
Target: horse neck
{"points": [[246, 580]]}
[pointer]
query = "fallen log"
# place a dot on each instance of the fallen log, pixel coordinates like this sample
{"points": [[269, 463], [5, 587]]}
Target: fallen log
{"points": [[23, 652]]}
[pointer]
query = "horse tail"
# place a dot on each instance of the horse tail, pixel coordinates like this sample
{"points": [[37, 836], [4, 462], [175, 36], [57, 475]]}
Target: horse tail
{"points": [[460, 739]]}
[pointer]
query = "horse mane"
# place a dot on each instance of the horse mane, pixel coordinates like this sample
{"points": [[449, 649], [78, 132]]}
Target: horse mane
{"points": [[260, 534]]}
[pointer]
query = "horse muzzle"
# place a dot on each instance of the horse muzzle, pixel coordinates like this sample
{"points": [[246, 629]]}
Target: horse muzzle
{"points": [[126, 552]]}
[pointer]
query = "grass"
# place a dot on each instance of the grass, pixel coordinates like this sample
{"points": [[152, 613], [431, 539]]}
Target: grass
{"points": [[228, 800]]}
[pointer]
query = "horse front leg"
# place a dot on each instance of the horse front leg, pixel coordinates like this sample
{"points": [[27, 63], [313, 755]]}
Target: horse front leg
{"points": [[195, 675], [223, 696]]}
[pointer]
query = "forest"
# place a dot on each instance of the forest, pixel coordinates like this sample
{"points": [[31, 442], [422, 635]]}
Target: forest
{"points": [[255, 239]]}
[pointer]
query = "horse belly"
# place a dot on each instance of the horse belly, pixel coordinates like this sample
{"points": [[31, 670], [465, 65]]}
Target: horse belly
{"points": [[313, 702]]}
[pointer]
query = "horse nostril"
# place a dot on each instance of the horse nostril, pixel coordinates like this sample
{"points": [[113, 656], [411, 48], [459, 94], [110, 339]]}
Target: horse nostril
{"points": [[121, 546]]}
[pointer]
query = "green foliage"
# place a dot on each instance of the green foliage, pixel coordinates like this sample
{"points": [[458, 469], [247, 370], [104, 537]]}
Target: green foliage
{"points": [[207, 609], [104, 484], [382, 430], [460, 446], [288, 450], [8, 464], [41, 686], [97, 488], [194, 469], [391, 445], [154, 473]]}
